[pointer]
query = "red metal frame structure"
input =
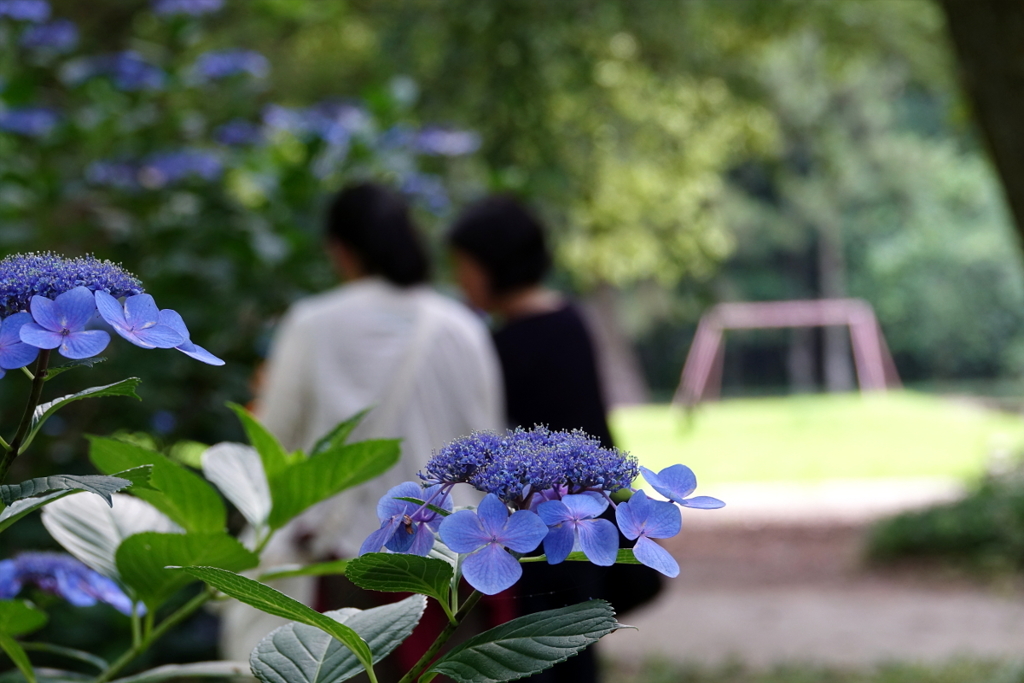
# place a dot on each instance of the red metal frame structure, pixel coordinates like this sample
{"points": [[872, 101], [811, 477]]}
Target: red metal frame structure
{"points": [[702, 373]]}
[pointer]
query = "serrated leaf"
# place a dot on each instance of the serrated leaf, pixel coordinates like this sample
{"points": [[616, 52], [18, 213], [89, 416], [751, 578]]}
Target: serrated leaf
{"points": [[18, 656], [311, 481], [182, 495], [18, 617], [237, 470], [401, 573], [297, 653], [91, 531], [337, 436], [193, 670], [71, 365], [333, 568], [275, 458], [44, 411], [142, 560], [266, 599], [528, 645], [102, 485]]}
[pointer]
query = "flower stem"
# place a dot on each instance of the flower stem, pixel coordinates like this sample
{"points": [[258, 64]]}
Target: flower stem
{"points": [[148, 639], [26, 419], [442, 638]]}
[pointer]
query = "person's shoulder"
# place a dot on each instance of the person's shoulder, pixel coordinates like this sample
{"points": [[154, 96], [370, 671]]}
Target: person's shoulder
{"points": [[453, 314], [311, 308]]}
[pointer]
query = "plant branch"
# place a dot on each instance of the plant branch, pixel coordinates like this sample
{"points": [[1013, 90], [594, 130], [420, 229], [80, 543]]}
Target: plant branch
{"points": [[148, 639], [442, 638], [26, 419]]}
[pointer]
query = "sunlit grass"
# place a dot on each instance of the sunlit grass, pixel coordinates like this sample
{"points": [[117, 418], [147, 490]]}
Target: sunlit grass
{"points": [[818, 437]]}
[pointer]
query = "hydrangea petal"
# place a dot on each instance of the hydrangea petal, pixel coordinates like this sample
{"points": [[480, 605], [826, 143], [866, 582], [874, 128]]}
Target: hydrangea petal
{"points": [[423, 541], [599, 541], [462, 532], [36, 335], [84, 344], [141, 311], [493, 516], [675, 482], [523, 532], [375, 541], [14, 353], [47, 315], [559, 542], [663, 520], [632, 514], [76, 307], [156, 337], [73, 590], [703, 503], [491, 570], [654, 556], [389, 505], [111, 310], [554, 512], [199, 353], [585, 505]]}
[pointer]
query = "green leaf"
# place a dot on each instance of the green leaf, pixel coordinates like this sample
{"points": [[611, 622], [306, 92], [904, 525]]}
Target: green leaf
{"points": [[337, 436], [266, 599], [401, 573], [297, 653], [333, 568], [71, 365], [275, 458], [182, 495], [18, 618], [103, 486], [142, 560], [44, 411], [311, 481], [237, 471], [25, 506], [194, 670], [528, 645], [91, 531], [18, 656]]}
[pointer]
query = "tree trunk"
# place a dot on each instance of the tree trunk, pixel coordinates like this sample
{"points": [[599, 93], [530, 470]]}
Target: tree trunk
{"points": [[989, 39], [621, 376]]}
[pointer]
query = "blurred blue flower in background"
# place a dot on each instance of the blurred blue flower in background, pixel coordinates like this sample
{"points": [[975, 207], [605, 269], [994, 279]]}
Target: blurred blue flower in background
{"points": [[35, 122], [58, 36], [444, 142], [166, 168], [190, 7], [238, 132], [118, 174], [427, 189], [63, 576], [226, 63], [127, 70], [36, 11]]}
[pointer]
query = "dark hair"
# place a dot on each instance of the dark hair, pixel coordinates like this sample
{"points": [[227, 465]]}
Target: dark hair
{"points": [[374, 222], [507, 239]]}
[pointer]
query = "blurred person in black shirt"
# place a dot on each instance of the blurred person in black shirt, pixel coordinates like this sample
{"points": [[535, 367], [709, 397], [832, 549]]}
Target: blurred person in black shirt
{"points": [[551, 378]]}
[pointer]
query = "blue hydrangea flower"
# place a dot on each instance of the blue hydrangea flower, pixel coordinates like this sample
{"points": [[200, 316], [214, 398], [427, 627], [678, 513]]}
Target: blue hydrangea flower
{"points": [[33, 122], [23, 276], [192, 8], [15, 353], [225, 63], [127, 70], [442, 142], [36, 11], [428, 189], [407, 527], [60, 324], [676, 483], [138, 321], [459, 460], [485, 534], [121, 175], [167, 168], [643, 519], [59, 36], [572, 519], [334, 123], [63, 576], [175, 322], [238, 132]]}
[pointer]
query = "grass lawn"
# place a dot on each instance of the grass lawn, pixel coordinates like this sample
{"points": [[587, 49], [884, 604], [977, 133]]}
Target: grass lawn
{"points": [[818, 437]]}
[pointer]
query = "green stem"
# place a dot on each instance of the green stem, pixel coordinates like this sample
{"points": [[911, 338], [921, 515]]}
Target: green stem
{"points": [[148, 639], [26, 419], [442, 638]]}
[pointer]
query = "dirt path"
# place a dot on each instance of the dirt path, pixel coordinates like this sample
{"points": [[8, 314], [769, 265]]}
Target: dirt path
{"points": [[765, 590]]}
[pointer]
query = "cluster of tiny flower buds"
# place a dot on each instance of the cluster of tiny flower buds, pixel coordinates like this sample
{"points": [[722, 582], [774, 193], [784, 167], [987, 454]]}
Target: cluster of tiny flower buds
{"points": [[542, 488], [50, 302]]}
